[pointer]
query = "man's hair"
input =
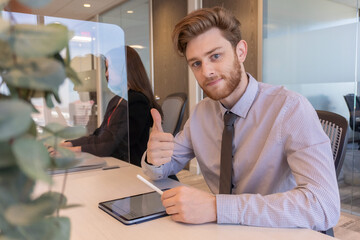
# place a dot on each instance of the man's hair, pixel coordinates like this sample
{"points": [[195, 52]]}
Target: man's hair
{"points": [[199, 21]]}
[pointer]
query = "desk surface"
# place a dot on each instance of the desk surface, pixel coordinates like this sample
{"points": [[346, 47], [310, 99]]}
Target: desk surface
{"points": [[88, 222]]}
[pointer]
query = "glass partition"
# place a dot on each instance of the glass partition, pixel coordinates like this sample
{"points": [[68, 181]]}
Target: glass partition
{"points": [[133, 17], [311, 47], [98, 56]]}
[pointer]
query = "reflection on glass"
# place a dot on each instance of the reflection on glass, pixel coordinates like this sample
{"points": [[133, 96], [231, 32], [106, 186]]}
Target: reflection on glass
{"points": [[311, 47], [135, 25], [86, 104]]}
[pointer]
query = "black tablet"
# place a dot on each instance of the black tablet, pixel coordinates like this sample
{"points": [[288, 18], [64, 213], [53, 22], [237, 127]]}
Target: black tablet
{"points": [[135, 209]]}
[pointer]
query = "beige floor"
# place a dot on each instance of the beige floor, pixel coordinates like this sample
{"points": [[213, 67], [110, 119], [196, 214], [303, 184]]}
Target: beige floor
{"points": [[348, 227]]}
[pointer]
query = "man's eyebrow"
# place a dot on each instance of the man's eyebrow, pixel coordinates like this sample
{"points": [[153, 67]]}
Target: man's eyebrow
{"points": [[207, 53]]}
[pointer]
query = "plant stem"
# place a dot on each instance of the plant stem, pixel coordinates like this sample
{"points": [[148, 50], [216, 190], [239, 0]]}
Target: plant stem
{"points": [[27, 189], [13, 20], [62, 192]]}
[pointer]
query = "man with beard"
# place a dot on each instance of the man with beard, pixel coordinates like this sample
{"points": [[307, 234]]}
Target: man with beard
{"points": [[282, 166]]}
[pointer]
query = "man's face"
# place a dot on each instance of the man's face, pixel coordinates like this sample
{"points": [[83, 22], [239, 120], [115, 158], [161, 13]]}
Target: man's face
{"points": [[214, 63]]}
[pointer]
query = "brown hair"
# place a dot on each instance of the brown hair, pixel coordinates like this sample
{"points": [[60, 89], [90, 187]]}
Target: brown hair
{"points": [[199, 21], [137, 78]]}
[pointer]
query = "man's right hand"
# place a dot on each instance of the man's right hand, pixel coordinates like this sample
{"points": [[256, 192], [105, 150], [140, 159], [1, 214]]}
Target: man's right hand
{"points": [[161, 145]]}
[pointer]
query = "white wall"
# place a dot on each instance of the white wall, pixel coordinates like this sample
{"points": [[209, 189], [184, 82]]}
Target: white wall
{"points": [[310, 47]]}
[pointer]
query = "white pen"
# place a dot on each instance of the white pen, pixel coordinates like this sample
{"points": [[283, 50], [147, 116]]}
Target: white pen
{"points": [[149, 184]]}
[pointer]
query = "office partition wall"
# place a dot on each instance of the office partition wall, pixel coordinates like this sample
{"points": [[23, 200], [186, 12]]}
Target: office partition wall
{"points": [[311, 47]]}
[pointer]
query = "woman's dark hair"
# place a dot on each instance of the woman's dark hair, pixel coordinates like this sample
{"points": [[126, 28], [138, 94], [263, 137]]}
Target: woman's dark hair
{"points": [[137, 78]]}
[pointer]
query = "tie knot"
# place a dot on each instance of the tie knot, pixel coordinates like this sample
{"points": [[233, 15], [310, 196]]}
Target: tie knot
{"points": [[229, 118]]}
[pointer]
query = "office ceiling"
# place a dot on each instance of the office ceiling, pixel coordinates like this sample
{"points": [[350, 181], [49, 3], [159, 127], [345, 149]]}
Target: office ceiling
{"points": [[75, 8]]}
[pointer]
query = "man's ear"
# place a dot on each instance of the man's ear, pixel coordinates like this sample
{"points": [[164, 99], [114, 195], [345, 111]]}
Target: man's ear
{"points": [[241, 51]]}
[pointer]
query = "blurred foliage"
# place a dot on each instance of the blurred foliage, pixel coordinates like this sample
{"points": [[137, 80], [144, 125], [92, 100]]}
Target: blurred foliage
{"points": [[31, 66]]}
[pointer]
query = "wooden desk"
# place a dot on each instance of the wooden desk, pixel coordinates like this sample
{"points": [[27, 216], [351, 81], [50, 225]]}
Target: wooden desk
{"points": [[88, 222]]}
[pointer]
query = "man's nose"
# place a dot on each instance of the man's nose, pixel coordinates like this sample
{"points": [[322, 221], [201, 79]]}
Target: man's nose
{"points": [[208, 70]]}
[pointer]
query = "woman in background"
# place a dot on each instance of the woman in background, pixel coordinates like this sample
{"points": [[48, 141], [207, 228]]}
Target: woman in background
{"points": [[111, 138]]}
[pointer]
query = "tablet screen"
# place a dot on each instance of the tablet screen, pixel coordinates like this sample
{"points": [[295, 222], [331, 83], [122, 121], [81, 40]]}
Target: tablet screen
{"points": [[136, 208]]}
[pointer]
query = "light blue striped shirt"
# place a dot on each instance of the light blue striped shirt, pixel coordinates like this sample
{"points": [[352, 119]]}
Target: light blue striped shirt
{"points": [[283, 169]]}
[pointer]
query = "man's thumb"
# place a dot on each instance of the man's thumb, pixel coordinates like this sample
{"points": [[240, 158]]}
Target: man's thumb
{"points": [[156, 119]]}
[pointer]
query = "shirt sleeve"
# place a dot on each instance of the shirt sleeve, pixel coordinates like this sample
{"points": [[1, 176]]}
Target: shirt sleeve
{"points": [[153, 172], [111, 136], [78, 141], [314, 203]]}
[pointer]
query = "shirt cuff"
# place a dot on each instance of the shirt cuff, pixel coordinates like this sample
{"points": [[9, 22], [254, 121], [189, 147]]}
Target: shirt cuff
{"points": [[227, 209], [152, 171]]}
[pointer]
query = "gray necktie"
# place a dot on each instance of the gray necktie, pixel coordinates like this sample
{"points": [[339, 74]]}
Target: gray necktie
{"points": [[226, 153]]}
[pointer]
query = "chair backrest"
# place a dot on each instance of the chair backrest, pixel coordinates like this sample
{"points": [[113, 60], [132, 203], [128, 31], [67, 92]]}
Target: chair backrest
{"points": [[173, 108], [335, 126], [353, 110]]}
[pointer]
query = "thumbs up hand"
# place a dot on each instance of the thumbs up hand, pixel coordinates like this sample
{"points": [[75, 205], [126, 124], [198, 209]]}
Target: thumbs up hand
{"points": [[161, 145]]}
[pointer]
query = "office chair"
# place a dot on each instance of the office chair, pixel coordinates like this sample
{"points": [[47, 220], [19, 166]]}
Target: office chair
{"points": [[173, 108], [354, 110], [335, 126]]}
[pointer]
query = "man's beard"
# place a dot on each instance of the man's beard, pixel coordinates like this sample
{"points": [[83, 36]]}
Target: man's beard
{"points": [[232, 80]]}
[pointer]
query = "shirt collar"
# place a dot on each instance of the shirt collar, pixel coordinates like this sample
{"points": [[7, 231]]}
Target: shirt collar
{"points": [[242, 107]]}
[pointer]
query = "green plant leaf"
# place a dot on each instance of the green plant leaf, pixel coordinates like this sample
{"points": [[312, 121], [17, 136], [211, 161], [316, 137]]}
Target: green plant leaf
{"points": [[6, 59], [13, 91], [59, 58], [67, 59], [35, 4], [56, 96], [49, 139], [32, 158], [31, 41], [54, 197], [50, 228], [48, 100], [53, 128], [15, 118], [4, 225], [7, 158], [26, 214], [38, 74], [65, 159], [15, 187], [32, 129], [64, 132], [12, 234], [71, 132]]}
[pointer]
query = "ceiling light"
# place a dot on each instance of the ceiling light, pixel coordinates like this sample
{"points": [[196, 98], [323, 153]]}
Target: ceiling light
{"points": [[81, 39], [87, 5], [137, 46], [130, 11]]}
